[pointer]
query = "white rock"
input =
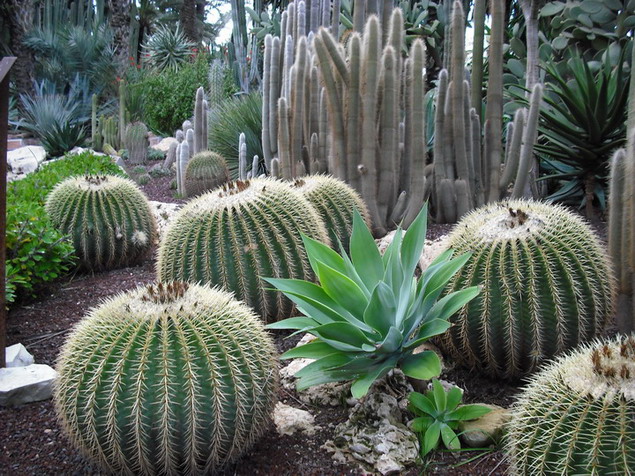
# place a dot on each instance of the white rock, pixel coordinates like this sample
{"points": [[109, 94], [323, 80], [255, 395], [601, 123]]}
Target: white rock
{"points": [[81, 150], [26, 159], [164, 144], [17, 356], [289, 420], [163, 213], [431, 250], [20, 385], [486, 430]]}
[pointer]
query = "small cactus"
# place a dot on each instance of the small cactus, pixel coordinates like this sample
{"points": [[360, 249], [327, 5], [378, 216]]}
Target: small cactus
{"points": [[110, 131], [205, 171], [335, 201], [577, 415], [238, 233], [546, 281], [167, 379], [108, 218], [136, 142]]}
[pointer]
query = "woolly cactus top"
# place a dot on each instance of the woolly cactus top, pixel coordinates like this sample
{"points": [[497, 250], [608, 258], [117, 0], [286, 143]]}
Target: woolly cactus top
{"points": [[96, 182]]}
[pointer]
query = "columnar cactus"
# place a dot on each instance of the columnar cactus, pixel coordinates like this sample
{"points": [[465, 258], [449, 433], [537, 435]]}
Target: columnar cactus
{"points": [[335, 201], [205, 171], [167, 379], [136, 142], [547, 286], [238, 233], [108, 218], [200, 131], [577, 415], [110, 131]]}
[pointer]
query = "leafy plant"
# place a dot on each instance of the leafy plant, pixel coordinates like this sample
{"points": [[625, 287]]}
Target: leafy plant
{"points": [[168, 49], [369, 312], [438, 414]]}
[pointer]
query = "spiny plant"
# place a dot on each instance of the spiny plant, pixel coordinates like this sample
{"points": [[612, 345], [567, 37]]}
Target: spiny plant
{"points": [[205, 171], [168, 49], [577, 416], [136, 142], [168, 379], [336, 203], [108, 218], [546, 282], [239, 232]]}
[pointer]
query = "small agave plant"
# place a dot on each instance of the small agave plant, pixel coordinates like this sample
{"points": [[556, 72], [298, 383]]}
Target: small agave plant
{"points": [[369, 312]]}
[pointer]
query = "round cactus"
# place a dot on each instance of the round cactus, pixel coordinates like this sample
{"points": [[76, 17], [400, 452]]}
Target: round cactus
{"points": [[205, 171], [335, 201], [577, 416], [167, 379], [237, 234], [546, 286], [136, 142], [108, 218]]}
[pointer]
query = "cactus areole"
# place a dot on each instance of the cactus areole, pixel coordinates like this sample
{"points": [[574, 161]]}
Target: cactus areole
{"points": [[577, 415], [167, 379], [546, 286]]}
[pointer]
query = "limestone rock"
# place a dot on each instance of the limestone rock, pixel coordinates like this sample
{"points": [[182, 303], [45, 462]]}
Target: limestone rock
{"points": [[17, 356], [328, 394], [81, 150], [163, 213], [289, 420], [24, 160], [20, 385], [431, 250], [164, 144], [486, 430]]}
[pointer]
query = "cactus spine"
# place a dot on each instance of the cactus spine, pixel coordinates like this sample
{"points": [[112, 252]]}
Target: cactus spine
{"points": [[136, 142], [547, 286], [167, 379], [108, 218], [576, 415], [239, 232], [205, 171]]}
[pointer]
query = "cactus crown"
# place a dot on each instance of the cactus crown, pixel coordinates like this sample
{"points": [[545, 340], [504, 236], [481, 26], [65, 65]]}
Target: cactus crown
{"points": [[160, 293]]}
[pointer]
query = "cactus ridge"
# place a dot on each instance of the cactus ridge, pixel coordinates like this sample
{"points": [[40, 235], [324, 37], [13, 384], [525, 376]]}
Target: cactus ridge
{"points": [[238, 233], [136, 141], [167, 379], [205, 171], [335, 201], [108, 217], [577, 416], [546, 284]]}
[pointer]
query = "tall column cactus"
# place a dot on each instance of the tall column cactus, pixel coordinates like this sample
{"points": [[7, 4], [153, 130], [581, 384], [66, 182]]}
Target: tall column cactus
{"points": [[167, 379], [200, 131], [136, 142]]}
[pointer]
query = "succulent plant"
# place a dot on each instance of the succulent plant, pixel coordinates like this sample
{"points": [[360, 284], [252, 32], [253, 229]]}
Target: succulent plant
{"points": [[239, 232], [167, 379], [136, 142], [546, 281], [108, 218], [576, 415], [205, 171], [110, 131], [336, 202]]}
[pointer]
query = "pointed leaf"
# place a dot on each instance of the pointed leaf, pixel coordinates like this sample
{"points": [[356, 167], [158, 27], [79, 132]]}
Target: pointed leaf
{"points": [[413, 242], [342, 290], [469, 412], [448, 305], [438, 392], [313, 350], [327, 362], [392, 342], [454, 397], [421, 424], [422, 404], [294, 323], [381, 309], [450, 439], [364, 253], [361, 385], [342, 332], [429, 329], [423, 366], [431, 438]]}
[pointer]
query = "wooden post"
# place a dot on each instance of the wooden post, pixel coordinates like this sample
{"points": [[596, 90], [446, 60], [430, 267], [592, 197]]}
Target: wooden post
{"points": [[5, 66]]}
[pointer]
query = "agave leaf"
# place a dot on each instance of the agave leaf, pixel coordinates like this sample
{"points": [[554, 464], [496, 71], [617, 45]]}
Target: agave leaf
{"points": [[445, 271], [392, 341], [431, 328], [438, 393], [342, 290], [365, 254], [448, 305], [431, 438], [327, 362], [319, 252], [450, 439], [352, 273], [320, 377], [454, 396], [312, 350], [468, 412], [424, 366], [381, 309], [342, 334], [421, 424], [413, 243], [294, 323], [362, 384], [422, 403]]}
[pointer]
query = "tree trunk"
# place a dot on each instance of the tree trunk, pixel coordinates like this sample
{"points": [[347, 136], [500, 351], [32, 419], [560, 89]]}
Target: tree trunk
{"points": [[187, 18], [21, 19], [119, 14]]}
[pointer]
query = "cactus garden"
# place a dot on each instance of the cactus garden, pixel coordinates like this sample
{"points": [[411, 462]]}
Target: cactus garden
{"points": [[317, 237]]}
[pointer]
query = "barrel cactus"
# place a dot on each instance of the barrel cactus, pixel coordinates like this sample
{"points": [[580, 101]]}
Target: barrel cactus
{"points": [[136, 142], [205, 171], [546, 282], [577, 416], [335, 201], [238, 233], [167, 379], [108, 218]]}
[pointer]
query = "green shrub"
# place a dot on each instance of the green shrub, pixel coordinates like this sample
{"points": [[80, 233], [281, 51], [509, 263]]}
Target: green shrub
{"points": [[36, 252], [169, 95]]}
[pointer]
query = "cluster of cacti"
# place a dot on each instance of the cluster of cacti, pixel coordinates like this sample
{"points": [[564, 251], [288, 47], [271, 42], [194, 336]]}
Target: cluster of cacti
{"points": [[168, 379], [136, 142], [205, 171], [243, 174], [577, 416], [107, 217], [238, 233], [184, 152], [366, 90], [336, 203], [109, 131], [467, 173], [546, 286]]}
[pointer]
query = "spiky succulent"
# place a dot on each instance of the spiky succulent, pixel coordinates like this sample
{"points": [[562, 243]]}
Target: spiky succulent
{"points": [[108, 218], [336, 202], [577, 416], [136, 142], [546, 282], [205, 171], [167, 379], [238, 233]]}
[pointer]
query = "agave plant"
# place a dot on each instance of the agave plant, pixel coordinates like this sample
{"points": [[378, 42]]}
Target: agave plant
{"points": [[369, 312], [168, 49]]}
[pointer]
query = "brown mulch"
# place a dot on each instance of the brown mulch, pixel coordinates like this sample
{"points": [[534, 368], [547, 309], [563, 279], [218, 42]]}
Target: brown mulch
{"points": [[33, 443]]}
